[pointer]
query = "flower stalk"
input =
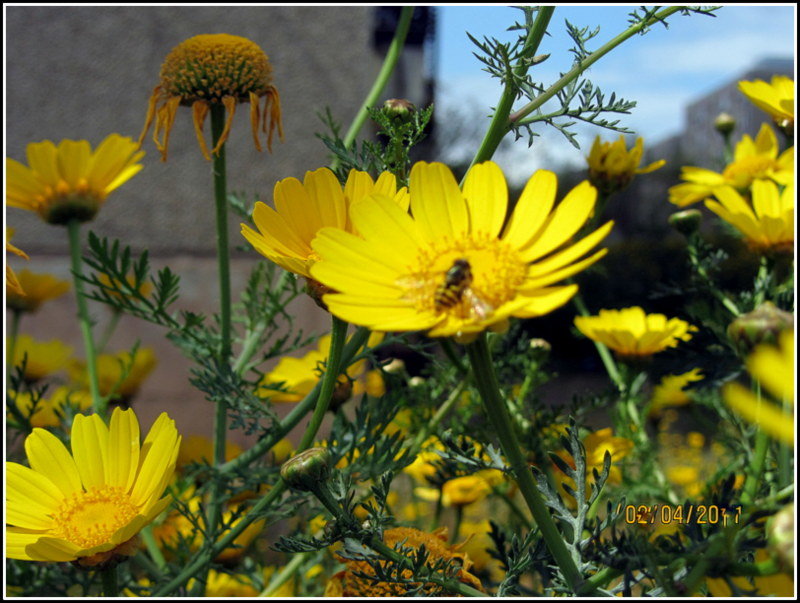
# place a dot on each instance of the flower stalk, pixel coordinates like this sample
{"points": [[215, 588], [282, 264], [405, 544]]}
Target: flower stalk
{"points": [[486, 382], [99, 404]]}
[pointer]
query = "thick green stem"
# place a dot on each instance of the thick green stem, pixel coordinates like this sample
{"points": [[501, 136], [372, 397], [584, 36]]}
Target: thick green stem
{"points": [[501, 123], [109, 579], [486, 382], [329, 379], [392, 55], [99, 404]]}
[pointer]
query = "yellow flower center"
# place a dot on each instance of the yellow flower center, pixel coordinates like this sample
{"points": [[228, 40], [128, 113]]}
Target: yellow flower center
{"points": [[742, 173], [212, 66], [466, 277], [88, 519]]}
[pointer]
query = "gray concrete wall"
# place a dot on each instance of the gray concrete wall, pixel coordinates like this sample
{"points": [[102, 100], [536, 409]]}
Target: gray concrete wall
{"points": [[85, 72]]}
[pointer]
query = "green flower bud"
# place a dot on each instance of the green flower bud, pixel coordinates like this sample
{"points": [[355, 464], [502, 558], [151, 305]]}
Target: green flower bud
{"points": [[398, 108], [686, 222], [762, 325], [780, 538], [308, 469], [724, 123]]}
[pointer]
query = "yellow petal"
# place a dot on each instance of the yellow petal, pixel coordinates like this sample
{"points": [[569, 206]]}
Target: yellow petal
{"points": [[31, 498], [436, 201], [123, 454], [532, 209], [89, 448], [486, 194], [49, 457]]}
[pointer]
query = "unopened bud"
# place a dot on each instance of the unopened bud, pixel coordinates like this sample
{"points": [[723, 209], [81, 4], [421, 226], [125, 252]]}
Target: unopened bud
{"points": [[416, 382], [762, 325], [398, 108], [687, 221], [780, 538], [724, 123], [308, 469], [395, 367]]}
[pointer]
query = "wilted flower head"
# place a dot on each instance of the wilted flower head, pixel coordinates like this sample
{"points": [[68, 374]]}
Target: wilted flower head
{"points": [[212, 70], [70, 181]]}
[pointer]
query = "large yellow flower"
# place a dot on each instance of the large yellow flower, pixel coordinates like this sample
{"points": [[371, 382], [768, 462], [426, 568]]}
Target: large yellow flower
{"points": [[302, 209], [767, 222], [453, 267], [88, 505], [70, 181], [631, 333], [212, 70], [752, 160], [776, 98], [38, 288], [773, 368], [612, 166]]}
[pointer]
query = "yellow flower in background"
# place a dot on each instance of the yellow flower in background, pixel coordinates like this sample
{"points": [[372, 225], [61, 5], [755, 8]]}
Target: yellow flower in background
{"points": [[38, 288], [88, 505], [49, 410], [598, 443], [212, 70], [752, 160], [12, 283], [776, 98], [671, 391], [422, 467], [301, 209], [350, 583], [612, 166], [452, 268], [43, 359], [773, 368], [69, 181], [120, 373], [633, 334], [199, 449], [468, 489], [777, 585], [222, 584], [111, 285], [300, 375], [766, 222]]}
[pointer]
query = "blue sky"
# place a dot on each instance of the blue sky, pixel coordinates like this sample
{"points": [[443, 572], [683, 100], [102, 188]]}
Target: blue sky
{"points": [[662, 71]]}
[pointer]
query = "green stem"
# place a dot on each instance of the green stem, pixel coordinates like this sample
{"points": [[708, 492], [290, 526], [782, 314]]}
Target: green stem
{"points": [[284, 575], [486, 382], [389, 62], [116, 314], [599, 580], [329, 379], [501, 122], [99, 404], [109, 579], [605, 354], [575, 72], [152, 547]]}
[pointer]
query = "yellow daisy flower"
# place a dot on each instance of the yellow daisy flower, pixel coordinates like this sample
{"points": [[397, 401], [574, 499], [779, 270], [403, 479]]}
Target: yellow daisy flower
{"points": [[468, 489], [301, 209], [633, 334], [597, 444], [110, 285], [453, 268], [767, 221], [43, 359], [612, 166], [88, 505], [38, 288], [773, 368], [752, 160], [50, 410], [209, 70], [12, 283], [776, 98], [110, 369], [70, 181], [300, 375], [671, 391], [352, 583]]}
